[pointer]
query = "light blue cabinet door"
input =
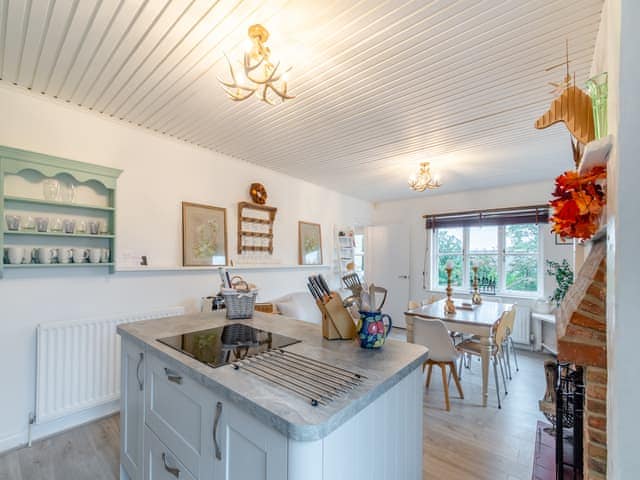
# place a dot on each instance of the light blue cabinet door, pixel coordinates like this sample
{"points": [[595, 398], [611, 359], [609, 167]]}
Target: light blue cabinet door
{"points": [[131, 409], [248, 448]]}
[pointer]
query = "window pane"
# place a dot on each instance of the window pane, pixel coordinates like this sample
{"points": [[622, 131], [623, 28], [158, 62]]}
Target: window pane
{"points": [[487, 272], [450, 240], [521, 238], [521, 273], [483, 239], [359, 261], [359, 242], [456, 274]]}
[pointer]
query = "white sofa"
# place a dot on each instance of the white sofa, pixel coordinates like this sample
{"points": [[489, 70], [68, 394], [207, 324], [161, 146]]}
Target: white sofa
{"points": [[298, 305]]}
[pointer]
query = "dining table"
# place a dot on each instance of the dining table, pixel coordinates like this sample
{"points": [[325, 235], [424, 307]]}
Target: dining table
{"points": [[479, 320]]}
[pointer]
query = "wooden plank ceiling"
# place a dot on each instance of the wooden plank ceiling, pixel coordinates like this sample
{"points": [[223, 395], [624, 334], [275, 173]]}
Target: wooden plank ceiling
{"points": [[381, 84]]}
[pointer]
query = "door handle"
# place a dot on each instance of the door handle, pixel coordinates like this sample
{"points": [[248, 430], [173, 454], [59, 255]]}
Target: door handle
{"points": [[173, 376], [140, 381], [172, 470], [216, 421], [403, 277]]}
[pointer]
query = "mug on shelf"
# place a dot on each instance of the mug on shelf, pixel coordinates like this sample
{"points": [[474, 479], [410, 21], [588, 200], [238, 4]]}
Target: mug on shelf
{"points": [[45, 254], [42, 224], [69, 226], [13, 222], [105, 255], [95, 254], [63, 254], [79, 255], [16, 255]]}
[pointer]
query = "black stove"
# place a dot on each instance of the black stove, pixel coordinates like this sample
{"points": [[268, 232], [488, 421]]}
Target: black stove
{"points": [[223, 345]]}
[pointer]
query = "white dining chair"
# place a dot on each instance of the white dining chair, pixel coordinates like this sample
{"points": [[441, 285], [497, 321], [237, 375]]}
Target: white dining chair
{"points": [[473, 347], [434, 335]]}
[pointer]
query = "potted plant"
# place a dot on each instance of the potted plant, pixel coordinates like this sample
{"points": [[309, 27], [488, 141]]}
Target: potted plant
{"points": [[563, 274]]}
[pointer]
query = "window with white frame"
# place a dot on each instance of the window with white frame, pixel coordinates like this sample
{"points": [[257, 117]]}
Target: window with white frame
{"points": [[507, 256]]}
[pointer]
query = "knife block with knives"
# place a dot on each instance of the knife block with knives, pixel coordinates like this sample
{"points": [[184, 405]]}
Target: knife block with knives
{"points": [[337, 323]]}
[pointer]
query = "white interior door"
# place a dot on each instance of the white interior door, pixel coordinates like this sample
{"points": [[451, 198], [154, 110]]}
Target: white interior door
{"points": [[389, 266]]}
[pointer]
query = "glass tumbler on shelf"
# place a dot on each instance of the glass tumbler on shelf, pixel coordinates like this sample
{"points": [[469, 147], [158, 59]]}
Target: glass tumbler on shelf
{"points": [[29, 223], [13, 222], [56, 225], [50, 189], [68, 192], [42, 224]]}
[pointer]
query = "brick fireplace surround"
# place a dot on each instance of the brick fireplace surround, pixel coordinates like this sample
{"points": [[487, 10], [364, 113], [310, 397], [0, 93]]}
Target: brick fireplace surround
{"points": [[582, 340]]}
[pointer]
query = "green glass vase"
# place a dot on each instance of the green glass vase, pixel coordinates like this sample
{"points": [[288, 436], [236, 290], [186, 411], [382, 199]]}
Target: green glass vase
{"points": [[598, 90]]}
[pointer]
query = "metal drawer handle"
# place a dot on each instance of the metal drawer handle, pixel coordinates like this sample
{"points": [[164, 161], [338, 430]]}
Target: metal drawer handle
{"points": [[215, 430], [140, 381], [172, 470], [173, 376]]}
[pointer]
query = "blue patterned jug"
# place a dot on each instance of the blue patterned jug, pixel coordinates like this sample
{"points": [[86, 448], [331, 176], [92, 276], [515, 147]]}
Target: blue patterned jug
{"points": [[372, 330]]}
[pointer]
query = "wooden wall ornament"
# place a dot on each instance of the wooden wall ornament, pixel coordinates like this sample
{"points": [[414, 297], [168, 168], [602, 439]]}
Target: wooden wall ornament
{"points": [[573, 107], [258, 193]]}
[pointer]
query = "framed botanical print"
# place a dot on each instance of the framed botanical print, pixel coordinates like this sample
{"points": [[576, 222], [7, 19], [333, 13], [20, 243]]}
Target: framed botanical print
{"points": [[309, 244], [204, 235]]}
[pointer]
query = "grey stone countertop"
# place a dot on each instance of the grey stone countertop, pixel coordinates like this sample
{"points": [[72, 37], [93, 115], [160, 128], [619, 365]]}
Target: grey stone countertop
{"points": [[285, 411]]}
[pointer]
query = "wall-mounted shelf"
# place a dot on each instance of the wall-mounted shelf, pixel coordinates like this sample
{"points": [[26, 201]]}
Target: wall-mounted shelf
{"points": [[245, 235], [21, 170], [56, 234], [57, 265], [151, 268], [35, 201]]}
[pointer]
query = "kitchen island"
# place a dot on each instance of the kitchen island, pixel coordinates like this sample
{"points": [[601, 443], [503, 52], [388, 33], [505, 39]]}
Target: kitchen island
{"points": [[182, 418]]}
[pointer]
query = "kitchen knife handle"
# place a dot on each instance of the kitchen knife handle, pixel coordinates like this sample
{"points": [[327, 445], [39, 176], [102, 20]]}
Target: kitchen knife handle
{"points": [[324, 284], [216, 421]]}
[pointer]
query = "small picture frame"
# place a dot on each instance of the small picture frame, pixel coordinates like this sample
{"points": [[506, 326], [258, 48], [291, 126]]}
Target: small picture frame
{"points": [[563, 241], [309, 243], [204, 235]]}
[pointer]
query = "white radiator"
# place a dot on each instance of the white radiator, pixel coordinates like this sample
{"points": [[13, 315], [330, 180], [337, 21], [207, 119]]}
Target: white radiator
{"points": [[78, 363], [522, 326]]}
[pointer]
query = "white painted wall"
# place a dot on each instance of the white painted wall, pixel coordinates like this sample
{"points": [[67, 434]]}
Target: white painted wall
{"points": [[618, 54], [411, 212], [159, 173]]}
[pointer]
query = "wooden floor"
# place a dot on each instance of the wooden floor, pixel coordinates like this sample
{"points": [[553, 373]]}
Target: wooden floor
{"points": [[469, 442]]}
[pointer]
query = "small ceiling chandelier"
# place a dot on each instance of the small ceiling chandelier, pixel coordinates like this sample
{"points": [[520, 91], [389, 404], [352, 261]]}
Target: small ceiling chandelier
{"points": [[258, 74], [423, 179]]}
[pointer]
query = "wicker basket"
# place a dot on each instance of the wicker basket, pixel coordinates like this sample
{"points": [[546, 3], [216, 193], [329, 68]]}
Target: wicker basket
{"points": [[239, 303]]}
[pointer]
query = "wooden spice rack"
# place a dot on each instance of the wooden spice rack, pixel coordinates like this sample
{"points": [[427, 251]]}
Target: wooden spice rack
{"points": [[244, 217]]}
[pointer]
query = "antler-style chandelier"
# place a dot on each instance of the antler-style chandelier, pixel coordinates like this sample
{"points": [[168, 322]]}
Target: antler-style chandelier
{"points": [[423, 179], [258, 75]]}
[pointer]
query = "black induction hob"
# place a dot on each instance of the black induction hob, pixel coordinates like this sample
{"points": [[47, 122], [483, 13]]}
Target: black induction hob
{"points": [[223, 345]]}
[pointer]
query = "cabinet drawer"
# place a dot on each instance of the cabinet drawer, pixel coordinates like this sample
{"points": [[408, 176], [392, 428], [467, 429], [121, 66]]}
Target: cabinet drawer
{"points": [[180, 412], [160, 462]]}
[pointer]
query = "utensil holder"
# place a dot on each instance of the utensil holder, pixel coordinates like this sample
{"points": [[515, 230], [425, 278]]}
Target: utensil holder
{"points": [[337, 323]]}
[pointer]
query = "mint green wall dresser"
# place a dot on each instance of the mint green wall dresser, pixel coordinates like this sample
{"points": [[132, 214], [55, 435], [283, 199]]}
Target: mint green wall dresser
{"points": [[75, 200]]}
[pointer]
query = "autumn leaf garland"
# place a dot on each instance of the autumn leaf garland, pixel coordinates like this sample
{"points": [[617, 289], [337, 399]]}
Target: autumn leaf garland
{"points": [[578, 203]]}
